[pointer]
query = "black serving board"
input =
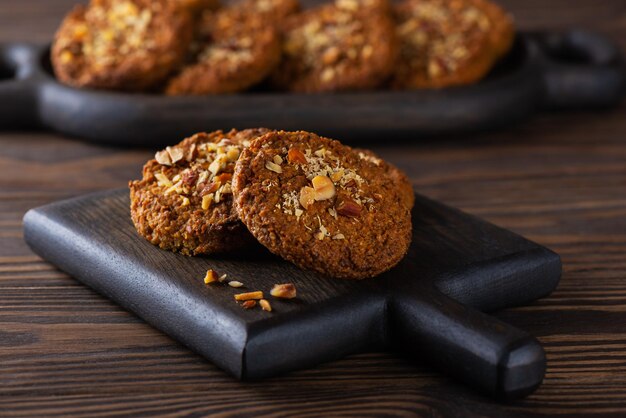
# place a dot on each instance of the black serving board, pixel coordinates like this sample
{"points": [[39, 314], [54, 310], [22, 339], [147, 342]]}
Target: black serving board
{"points": [[549, 70], [428, 307]]}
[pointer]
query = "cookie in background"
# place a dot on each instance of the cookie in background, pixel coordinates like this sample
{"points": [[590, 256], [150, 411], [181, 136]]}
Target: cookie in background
{"points": [[130, 45], [449, 42]]}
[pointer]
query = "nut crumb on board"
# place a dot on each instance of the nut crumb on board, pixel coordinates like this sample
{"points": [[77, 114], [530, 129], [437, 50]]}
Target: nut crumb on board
{"points": [[249, 304], [235, 283], [265, 305], [249, 295], [284, 291], [210, 277]]}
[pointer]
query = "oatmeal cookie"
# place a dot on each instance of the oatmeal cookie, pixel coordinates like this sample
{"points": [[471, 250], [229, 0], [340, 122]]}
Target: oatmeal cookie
{"points": [[449, 42], [184, 201], [320, 205], [130, 45], [234, 50], [347, 45]]}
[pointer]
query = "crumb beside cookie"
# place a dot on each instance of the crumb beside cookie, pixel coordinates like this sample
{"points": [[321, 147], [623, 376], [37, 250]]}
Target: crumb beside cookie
{"points": [[318, 204], [184, 201]]}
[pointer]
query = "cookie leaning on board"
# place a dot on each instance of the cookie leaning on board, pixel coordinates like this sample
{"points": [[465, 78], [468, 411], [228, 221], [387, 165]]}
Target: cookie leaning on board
{"points": [[320, 204]]}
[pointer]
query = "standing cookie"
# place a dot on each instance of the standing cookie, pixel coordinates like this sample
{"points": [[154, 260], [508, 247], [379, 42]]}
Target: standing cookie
{"points": [[449, 42], [348, 45], [235, 49], [184, 201], [130, 45], [320, 205]]}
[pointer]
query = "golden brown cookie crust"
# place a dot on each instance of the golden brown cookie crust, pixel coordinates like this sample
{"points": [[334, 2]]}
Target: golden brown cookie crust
{"points": [[318, 204], [449, 42], [347, 45], [398, 176], [184, 201], [236, 50], [130, 45]]}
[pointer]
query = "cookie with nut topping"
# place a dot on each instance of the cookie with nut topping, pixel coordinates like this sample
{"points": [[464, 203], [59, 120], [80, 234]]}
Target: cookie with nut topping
{"points": [[346, 45], [129, 45], [234, 49], [184, 201], [449, 42], [320, 205]]}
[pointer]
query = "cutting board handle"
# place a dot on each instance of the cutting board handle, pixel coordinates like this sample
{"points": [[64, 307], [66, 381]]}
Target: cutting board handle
{"points": [[488, 354], [19, 64], [582, 70]]}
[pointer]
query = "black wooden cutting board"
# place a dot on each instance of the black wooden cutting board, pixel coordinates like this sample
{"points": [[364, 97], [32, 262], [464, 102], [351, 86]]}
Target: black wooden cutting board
{"points": [[428, 306]]}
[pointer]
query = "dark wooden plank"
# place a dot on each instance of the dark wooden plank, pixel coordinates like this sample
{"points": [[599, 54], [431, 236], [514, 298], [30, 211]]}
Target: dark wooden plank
{"points": [[559, 180]]}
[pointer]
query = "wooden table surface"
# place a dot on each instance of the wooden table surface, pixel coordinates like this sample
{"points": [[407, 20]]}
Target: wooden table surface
{"points": [[559, 179]]}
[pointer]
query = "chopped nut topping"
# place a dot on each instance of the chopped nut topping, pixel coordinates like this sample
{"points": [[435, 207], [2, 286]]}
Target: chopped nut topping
{"points": [[265, 305], [352, 5], [249, 304], [235, 283], [224, 177], [331, 55], [206, 201], [222, 278], [176, 154], [162, 179], [189, 177], [324, 187], [307, 196], [185, 201], [232, 154], [273, 167], [295, 156], [278, 159], [66, 57], [339, 236], [210, 188], [284, 291], [337, 175], [349, 208], [328, 74], [217, 165], [367, 51], [249, 295], [191, 153], [210, 277], [163, 157]]}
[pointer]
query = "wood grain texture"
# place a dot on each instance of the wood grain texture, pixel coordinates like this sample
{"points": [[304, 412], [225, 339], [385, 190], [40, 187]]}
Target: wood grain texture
{"points": [[559, 180]]}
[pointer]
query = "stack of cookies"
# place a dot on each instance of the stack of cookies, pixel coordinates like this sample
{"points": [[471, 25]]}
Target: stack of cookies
{"points": [[322, 205], [198, 47]]}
